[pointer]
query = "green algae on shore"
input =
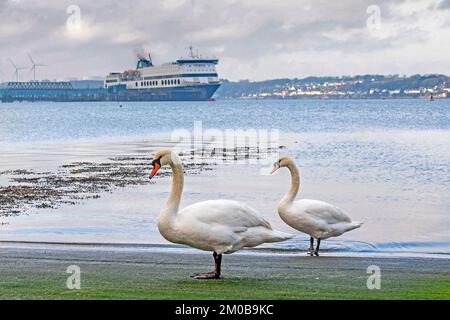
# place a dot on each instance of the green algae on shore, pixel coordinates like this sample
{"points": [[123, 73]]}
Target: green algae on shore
{"points": [[109, 274]]}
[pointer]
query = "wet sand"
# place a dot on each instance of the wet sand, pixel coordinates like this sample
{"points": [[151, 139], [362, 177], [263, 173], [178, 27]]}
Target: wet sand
{"points": [[96, 192], [163, 273]]}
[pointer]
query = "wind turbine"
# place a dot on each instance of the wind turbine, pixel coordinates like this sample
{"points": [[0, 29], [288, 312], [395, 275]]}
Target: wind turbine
{"points": [[16, 73], [34, 65]]}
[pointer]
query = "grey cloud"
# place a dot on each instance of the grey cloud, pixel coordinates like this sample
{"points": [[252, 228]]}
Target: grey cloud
{"points": [[444, 4], [251, 37]]}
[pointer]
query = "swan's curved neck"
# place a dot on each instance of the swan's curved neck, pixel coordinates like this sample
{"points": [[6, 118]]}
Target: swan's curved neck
{"points": [[295, 184], [170, 209]]}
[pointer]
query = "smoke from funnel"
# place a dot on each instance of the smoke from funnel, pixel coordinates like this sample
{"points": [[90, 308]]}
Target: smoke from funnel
{"points": [[142, 52]]}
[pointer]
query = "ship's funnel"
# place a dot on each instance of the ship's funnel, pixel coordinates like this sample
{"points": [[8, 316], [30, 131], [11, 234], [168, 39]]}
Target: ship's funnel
{"points": [[144, 58]]}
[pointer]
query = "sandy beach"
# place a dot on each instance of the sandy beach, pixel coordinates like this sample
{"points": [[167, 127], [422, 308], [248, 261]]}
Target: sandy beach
{"points": [[122, 272]]}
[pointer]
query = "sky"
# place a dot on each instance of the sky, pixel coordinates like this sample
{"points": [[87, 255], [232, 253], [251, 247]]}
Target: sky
{"points": [[254, 39]]}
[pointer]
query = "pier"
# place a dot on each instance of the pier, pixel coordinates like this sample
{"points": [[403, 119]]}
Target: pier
{"points": [[59, 91]]}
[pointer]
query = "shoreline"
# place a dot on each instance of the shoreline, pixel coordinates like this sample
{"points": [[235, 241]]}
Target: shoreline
{"points": [[129, 203], [262, 250]]}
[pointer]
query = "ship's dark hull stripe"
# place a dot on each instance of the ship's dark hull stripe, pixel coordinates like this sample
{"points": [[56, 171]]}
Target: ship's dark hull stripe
{"points": [[115, 93]]}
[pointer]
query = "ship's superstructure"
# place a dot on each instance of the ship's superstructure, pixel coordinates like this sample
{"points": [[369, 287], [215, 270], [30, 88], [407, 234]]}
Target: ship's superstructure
{"points": [[191, 78]]}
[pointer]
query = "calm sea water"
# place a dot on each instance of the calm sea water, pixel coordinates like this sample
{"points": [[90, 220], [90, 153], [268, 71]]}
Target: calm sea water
{"points": [[21, 122], [387, 162]]}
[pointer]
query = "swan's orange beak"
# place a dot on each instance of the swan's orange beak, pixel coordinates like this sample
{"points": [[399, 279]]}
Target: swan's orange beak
{"points": [[156, 167]]}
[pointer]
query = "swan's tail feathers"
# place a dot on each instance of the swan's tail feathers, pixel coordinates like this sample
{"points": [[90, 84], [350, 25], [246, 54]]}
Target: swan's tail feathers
{"points": [[277, 236], [354, 225]]}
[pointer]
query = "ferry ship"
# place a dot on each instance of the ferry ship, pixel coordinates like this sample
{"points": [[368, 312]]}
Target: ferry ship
{"points": [[187, 79], [193, 78]]}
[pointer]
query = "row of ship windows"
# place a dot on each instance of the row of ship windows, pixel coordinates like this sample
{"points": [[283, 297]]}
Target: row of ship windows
{"points": [[198, 70], [156, 83]]}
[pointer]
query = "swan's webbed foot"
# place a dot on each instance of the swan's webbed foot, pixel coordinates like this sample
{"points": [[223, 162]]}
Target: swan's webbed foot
{"points": [[206, 275], [213, 274]]}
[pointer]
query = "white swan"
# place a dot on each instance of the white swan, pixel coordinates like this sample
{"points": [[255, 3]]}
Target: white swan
{"points": [[316, 218], [219, 226]]}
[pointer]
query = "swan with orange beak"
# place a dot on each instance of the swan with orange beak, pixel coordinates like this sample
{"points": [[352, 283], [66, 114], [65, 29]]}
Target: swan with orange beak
{"points": [[217, 226]]}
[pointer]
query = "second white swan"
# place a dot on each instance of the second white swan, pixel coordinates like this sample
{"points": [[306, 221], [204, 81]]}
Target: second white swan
{"points": [[316, 218], [218, 226]]}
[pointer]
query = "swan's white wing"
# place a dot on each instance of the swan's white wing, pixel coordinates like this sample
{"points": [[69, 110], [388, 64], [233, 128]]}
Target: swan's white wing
{"points": [[228, 213], [319, 210], [223, 226]]}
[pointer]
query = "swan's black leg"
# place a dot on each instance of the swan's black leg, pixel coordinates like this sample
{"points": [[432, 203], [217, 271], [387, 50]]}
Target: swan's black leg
{"points": [[311, 246], [317, 247], [213, 274], [217, 264]]}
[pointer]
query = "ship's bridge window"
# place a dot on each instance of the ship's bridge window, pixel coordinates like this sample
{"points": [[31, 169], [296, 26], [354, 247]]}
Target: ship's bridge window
{"points": [[137, 84]]}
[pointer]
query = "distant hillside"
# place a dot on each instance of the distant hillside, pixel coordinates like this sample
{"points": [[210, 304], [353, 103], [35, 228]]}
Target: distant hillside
{"points": [[362, 86]]}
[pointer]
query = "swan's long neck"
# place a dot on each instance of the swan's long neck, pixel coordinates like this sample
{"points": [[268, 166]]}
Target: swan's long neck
{"points": [[295, 184], [170, 209]]}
